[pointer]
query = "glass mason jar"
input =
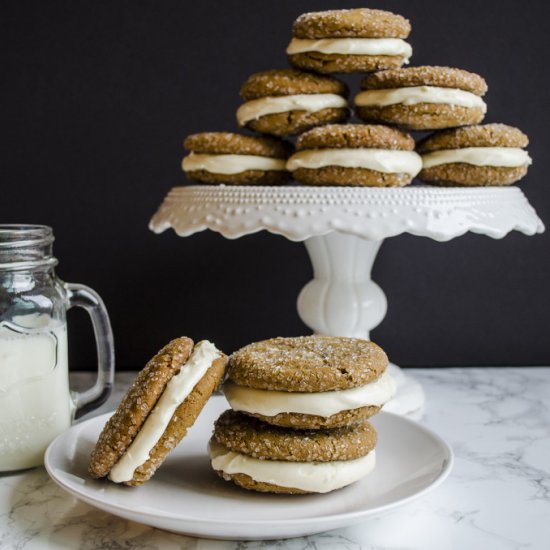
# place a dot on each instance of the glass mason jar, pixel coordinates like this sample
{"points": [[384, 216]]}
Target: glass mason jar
{"points": [[36, 403]]}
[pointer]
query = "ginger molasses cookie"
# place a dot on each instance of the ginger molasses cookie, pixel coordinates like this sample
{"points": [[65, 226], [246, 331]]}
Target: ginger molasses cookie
{"points": [[355, 154], [224, 157], [422, 98], [272, 459], [309, 382], [156, 412], [349, 41], [286, 102], [488, 154]]}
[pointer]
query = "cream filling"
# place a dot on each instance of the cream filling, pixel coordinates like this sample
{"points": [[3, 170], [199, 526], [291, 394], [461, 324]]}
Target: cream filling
{"points": [[316, 477], [256, 108], [175, 393], [509, 157], [230, 164], [380, 160], [271, 403], [413, 95], [352, 46]]}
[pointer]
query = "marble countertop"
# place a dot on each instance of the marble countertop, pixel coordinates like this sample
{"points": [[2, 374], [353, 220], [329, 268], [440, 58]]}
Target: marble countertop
{"points": [[497, 496]]}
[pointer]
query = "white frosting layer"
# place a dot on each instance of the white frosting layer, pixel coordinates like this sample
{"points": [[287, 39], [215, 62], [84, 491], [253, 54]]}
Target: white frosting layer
{"points": [[256, 108], [230, 164], [317, 477], [271, 403], [381, 160], [352, 46], [413, 95], [509, 157], [175, 393]]}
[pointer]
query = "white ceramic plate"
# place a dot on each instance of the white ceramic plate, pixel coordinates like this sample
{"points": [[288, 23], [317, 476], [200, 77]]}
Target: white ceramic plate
{"points": [[186, 496]]}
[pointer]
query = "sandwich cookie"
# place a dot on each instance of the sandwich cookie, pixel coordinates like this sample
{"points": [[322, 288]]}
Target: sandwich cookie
{"points": [[270, 459], [355, 154], [349, 41], [309, 382], [224, 157], [286, 102], [422, 98], [489, 154], [156, 412]]}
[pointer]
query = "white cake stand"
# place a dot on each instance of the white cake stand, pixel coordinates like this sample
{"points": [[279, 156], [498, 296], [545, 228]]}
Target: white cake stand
{"points": [[343, 228]]}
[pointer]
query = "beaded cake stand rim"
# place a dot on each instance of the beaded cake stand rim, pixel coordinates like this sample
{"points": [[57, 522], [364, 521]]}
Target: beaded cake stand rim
{"points": [[342, 192], [424, 199]]}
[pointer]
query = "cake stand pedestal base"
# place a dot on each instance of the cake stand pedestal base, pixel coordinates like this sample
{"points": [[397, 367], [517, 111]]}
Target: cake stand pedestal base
{"points": [[343, 300], [410, 398]]}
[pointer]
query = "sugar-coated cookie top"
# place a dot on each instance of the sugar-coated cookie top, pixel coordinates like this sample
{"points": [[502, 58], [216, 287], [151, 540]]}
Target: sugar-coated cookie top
{"points": [[481, 135], [228, 143], [354, 23], [426, 75], [281, 82], [355, 136], [307, 363], [247, 435]]}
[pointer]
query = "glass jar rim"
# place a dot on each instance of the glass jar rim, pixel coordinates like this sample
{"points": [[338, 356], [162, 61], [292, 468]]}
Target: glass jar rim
{"points": [[26, 246], [24, 235]]}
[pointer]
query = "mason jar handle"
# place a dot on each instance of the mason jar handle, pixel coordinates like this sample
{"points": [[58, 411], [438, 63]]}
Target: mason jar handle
{"points": [[89, 299]]}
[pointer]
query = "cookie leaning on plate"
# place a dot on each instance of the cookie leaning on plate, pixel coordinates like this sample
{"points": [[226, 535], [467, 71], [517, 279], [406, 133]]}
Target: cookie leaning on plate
{"points": [[156, 412], [270, 459], [355, 154], [225, 157], [349, 41], [422, 98], [286, 102], [489, 154], [309, 382]]}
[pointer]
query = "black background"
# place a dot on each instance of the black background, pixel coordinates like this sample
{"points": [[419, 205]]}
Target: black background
{"points": [[97, 99]]}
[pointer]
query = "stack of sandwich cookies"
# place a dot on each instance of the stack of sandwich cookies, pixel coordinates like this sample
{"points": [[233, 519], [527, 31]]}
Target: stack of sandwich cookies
{"points": [[490, 154], [309, 382], [299, 409], [156, 412], [266, 458], [349, 41], [224, 157], [286, 102], [355, 154], [422, 98]]}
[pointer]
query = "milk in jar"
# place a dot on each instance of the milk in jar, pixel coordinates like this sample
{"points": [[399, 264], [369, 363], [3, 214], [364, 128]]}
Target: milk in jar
{"points": [[35, 404]]}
